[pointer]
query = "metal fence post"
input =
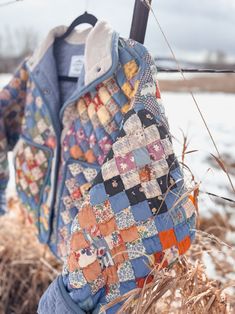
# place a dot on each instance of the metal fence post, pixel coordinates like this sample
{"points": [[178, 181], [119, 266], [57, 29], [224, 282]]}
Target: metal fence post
{"points": [[139, 21]]}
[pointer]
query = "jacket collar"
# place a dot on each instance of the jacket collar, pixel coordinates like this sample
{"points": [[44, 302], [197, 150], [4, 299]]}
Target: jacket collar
{"points": [[98, 48]]}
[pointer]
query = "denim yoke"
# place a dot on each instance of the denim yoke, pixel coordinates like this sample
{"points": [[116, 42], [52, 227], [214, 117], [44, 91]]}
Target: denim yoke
{"points": [[95, 168]]}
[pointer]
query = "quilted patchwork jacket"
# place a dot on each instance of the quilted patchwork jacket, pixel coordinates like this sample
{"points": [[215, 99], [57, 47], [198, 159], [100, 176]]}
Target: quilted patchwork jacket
{"points": [[95, 166]]}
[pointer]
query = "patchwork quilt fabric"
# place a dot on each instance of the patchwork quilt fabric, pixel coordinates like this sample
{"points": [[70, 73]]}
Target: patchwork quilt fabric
{"points": [[97, 172]]}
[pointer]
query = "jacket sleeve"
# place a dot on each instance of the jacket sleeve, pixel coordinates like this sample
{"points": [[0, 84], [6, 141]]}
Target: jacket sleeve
{"points": [[137, 214], [12, 102]]}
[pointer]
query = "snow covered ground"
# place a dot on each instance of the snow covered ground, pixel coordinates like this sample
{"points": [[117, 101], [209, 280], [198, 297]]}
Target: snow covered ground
{"points": [[219, 112]]}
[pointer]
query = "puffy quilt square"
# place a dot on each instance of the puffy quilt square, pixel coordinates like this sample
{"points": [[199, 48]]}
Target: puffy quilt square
{"points": [[155, 150], [121, 147], [98, 194], [167, 146], [141, 266], [97, 284], [114, 239], [77, 279], [147, 229], [109, 169], [103, 212], [141, 211], [151, 134], [177, 215], [151, 189], [114, 186], [181, 231], [189, 208], [137, 139], [167, 238], [130, 179], [112, 292], [159, 168], [132, 124], [125, 272], [145, 173], [125, 219], [163, 221], [157, 205], [152, 245], [141, 156], [135, 194], [171, 198], [119, 202], [125, 163], [135, 249], [127, 286]]}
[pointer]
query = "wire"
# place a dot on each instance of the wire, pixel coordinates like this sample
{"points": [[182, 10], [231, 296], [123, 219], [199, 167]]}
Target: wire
{"points": [[146, 2], [9, 3], [193, 70]]}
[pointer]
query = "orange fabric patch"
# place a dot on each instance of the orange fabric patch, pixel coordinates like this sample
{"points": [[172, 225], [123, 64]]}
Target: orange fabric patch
{"points": [[167, 238], [108, 227], [140, 282], [78, 241], [110, 275], [130, 234], [119, 254], [86, 217], [144, 174], [158, 258], [76, 152], [90, 157], [72, 262], [184, 245], [92, 271]]}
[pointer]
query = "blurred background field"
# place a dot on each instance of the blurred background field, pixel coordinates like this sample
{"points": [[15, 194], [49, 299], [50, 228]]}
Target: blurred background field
{"points": [[202, 37]]}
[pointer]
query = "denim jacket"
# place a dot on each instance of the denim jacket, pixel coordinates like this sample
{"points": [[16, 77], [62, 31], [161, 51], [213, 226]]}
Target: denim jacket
{"points": [[95, 166]]}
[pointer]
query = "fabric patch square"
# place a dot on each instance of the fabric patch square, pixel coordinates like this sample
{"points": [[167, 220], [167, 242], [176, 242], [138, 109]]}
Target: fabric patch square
{"points": [[163, 221], [159, 168], [108, 227], [151, 134], [145, 173], [147, 229], [157, 205], [135, 249], [92, 271], [112, 292], [177, 215], [125, 219], [119, 202], [132, 124], [141, 266], [114, 186], [141, 211], [125, 272], [125, 163], [156, 150], [121, 147], [181, 231], [189, 208], [98, 194], [171, 198], [130, 234], [76, 279], [165, 183], [97, 284], [151, 189], [141, 156], [167, 146], [130, 179], [167, 238], [152, 245], [137, 139], [184, 245], [90, 174], [109, 169], [146, 118], [103, 212], [171, 254], [135, 194], [113, 239], [127, 286], [119, 254]]}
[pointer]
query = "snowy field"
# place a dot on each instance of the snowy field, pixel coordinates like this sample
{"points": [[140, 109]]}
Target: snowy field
{"points": [[219, 112]]}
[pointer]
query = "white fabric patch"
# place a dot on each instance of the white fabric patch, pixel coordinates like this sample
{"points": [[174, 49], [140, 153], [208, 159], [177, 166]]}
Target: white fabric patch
{"points": [[76, 65]]}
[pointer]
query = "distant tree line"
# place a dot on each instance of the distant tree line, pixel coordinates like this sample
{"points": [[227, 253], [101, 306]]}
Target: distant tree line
{"points": [[15, 45]]}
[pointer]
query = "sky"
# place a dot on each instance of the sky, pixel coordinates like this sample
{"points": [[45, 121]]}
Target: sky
{"points": [[192, 27]]}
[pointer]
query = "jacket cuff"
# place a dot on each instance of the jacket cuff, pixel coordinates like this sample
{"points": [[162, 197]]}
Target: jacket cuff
{"points": [[56, 300], [2, 202]]}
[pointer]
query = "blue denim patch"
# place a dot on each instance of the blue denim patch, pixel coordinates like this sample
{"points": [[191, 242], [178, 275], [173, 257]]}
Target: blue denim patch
{"points": [[141, 156], [98, 194], [141, 211], [119, 202], [163, 221], [181, 231], [141, 266], [152, 245]]}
